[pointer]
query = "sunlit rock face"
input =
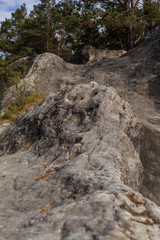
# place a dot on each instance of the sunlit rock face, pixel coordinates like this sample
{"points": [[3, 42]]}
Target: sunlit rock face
{"points": [[84, 162]]}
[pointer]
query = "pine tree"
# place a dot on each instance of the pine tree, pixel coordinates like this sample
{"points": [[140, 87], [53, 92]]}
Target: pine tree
{"points": [[151, 11], [42, 18], [10, 33], [66, 26]]}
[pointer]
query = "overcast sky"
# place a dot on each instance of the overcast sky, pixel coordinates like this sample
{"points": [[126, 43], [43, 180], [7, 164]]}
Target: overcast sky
{"points": [[8, 6]]}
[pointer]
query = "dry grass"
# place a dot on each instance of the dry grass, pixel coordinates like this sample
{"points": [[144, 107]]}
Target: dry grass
{"points": [[20, 105]]}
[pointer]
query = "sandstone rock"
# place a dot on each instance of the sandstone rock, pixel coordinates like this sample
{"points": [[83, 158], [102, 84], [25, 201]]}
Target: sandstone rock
{"points": [[83, 163], [88, 140]]}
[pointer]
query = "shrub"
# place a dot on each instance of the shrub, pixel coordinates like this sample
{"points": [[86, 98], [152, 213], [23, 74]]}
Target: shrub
{"points": [[7, 115], [20, 105]]}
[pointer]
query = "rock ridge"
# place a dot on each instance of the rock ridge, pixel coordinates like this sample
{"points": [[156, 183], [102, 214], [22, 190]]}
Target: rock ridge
{"points": [[77, 154], [84, 162]]}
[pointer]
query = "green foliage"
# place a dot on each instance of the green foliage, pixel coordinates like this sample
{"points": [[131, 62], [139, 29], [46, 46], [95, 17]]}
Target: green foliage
{"points": [[20, 105], [42, 21], [66, 26], [10, 33], [151, 12], [126, 23], [117, 24], [7, 116], [12, 74]]}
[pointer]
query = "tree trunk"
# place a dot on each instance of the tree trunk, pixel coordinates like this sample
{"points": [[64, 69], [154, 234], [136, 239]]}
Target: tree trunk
{"points": [[130, 38]]}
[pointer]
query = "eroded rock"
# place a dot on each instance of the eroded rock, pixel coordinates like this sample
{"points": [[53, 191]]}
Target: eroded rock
{"points": [[75, 166], [46, 74], [90, 53], [88, 140]]}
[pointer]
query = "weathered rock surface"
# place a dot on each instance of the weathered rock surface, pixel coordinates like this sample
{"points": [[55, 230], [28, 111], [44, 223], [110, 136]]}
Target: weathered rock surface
{"points": [[49, 73], [90, 53], [88, 140], [46, 74], [20, 61], [83, 163]]}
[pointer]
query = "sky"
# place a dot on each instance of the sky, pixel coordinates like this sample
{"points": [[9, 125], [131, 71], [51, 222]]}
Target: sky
{"points": [[8, 6]]}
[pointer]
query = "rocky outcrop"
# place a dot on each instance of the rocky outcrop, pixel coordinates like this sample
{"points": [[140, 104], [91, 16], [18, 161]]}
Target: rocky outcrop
{"points": [[135, 75], [90, 53], [76, 170], [136, 78], [46, 74], [20, 62], [84, 162]]}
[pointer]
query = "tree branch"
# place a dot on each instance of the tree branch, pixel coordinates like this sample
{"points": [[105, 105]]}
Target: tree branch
{"points": [[136, 4], [135, 42], [121, 4]]}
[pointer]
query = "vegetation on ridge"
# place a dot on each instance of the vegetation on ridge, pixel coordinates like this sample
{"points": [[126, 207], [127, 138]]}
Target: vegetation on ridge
{"points": [[19, 105], [65, 27]]}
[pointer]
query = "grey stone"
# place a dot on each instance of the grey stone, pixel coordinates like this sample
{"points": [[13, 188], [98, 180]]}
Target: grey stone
{"points": [[89, 138], [19, 61], [90, 53], [46, 75], [84, 162]]}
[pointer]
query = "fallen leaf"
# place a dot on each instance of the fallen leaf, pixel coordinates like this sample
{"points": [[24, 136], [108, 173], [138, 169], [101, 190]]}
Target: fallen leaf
{"points": [[134, 198], [45, 209], [143, 94], [27, 145], [47, 174], [75, 195]]}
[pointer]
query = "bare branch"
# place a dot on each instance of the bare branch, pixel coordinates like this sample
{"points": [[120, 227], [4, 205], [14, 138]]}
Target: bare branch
{"points": [[139, 38], [136, 4], [121, 4]]}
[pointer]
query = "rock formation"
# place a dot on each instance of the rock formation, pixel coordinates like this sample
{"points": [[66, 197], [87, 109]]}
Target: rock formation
{"points": [[46, 74], [84, 162], [90, 53], [20, 61]]}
